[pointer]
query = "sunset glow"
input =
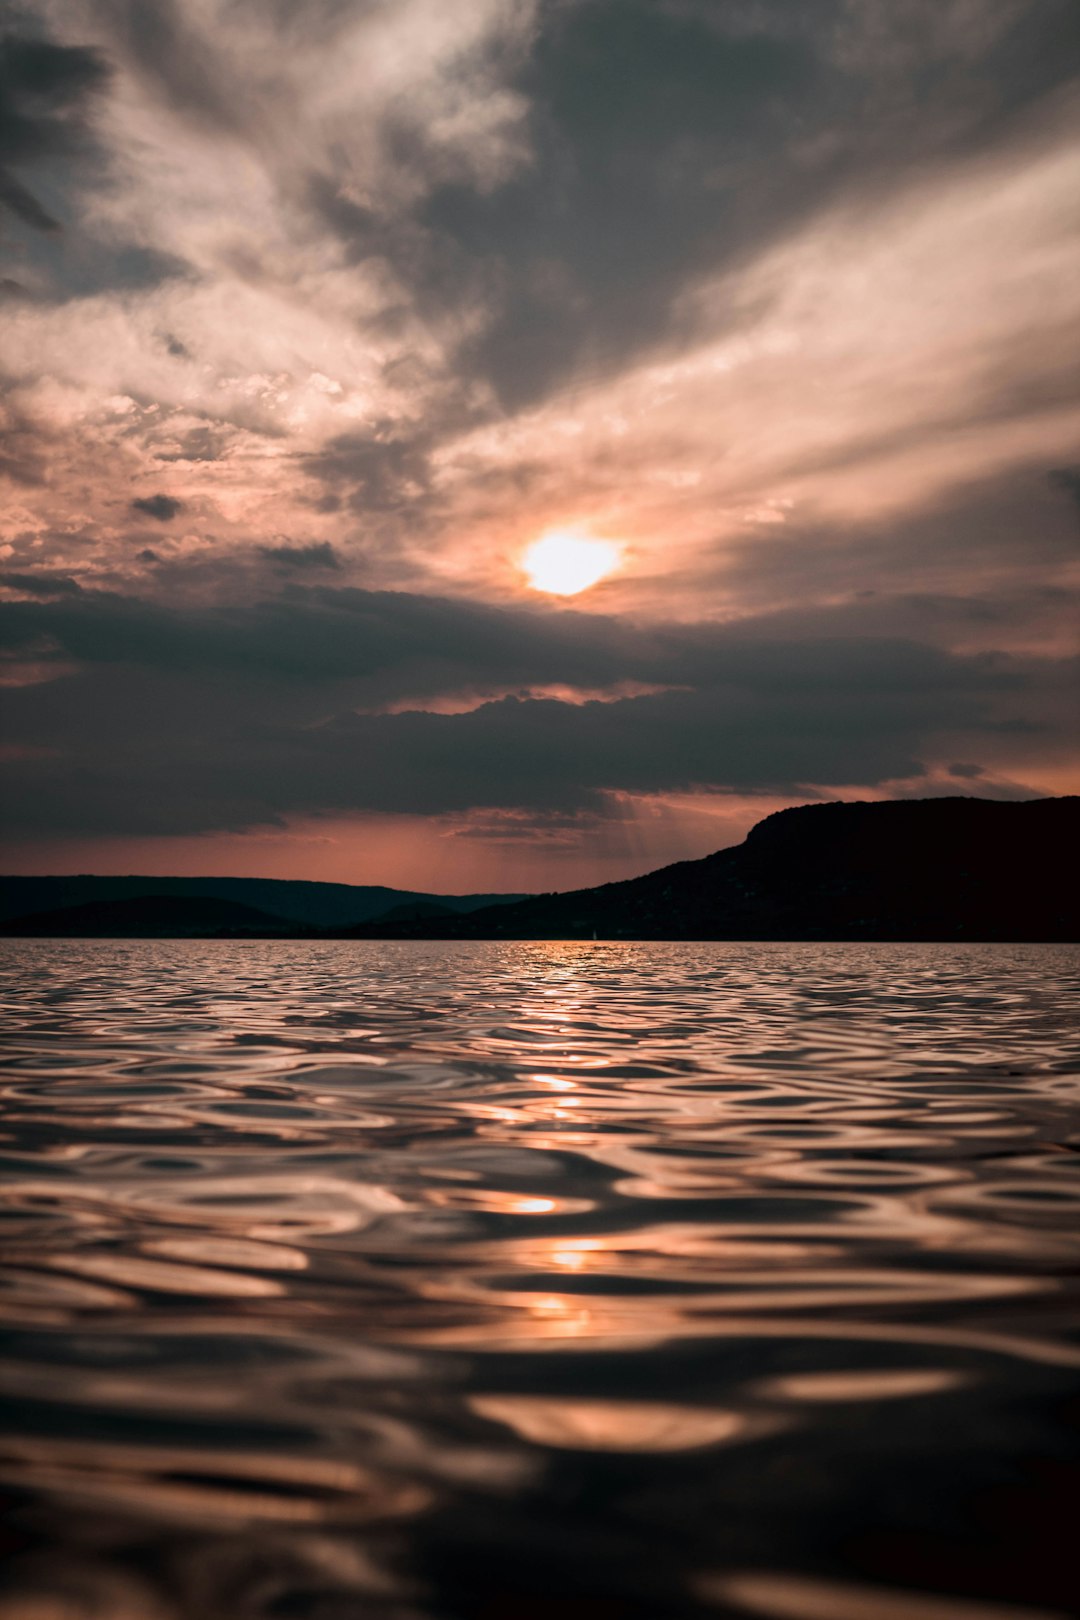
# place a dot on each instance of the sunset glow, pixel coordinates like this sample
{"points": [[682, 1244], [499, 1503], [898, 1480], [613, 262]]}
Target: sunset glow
{"points": [[516, 445], [564, 562]]}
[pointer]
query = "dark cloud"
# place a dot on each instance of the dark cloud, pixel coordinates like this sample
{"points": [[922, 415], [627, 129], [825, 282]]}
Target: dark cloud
{"points": [[653, 130], [394, 646], [241, 715], [102, 266], [671, 139], [208, 442], [46, 91], [41, 585], [1068, 480], [22, 202], [1009, 540], [404, 645], [382, 471], [302, 559], [159, 43], [162, 508], [23, 447]]}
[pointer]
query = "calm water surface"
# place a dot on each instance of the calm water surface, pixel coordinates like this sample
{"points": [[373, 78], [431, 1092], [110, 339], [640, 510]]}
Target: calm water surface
{"points": [[627, 1281]]}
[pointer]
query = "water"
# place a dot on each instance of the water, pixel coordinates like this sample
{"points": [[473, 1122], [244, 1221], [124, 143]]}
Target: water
{"points": [[505, 1281]]}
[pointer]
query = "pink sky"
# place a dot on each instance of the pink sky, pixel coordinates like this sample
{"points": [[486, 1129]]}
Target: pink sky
{"points": [[316, 320]]}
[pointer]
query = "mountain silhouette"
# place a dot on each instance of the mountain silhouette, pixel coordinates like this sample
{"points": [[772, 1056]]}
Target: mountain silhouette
{"points": [[934, 869], [322, 905], [415, 911]]}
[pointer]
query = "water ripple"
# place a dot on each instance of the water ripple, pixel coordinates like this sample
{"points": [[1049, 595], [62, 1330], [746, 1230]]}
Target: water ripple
{"points": [[519, 1279]]}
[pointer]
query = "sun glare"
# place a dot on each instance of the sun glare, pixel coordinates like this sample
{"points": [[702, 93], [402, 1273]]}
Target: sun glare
{"points": [[563, 562]]}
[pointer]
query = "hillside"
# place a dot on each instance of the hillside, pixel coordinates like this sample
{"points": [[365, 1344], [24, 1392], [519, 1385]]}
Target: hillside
{"points": [[935, 869], [320, 905]]}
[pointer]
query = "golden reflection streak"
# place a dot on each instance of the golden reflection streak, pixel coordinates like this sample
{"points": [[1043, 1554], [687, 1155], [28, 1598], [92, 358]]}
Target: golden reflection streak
{"points": [[167, 1277], [228, 1251], [502, 1203], [519, 1333], [130, 1477], [800, 1597], [885, 1384], [576, 1424]]}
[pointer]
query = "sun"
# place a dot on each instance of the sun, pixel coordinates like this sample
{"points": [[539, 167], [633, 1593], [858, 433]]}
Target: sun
{"points": [[563, 562]]}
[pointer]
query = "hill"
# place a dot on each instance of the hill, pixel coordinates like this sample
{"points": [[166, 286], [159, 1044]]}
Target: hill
{"points": [[320, 905], [934, 869], [415, 911]]}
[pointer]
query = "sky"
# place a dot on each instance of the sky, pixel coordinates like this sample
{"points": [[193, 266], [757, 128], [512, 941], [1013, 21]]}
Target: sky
{"points": [[512, 444]]}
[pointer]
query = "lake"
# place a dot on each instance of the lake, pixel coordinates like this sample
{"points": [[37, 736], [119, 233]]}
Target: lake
{"points": [[423, 1280]]}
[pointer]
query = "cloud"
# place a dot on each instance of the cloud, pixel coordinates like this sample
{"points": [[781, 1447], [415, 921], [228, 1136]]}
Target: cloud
{"points": [[46, 91], [41, 585], [403, 645], [243, 716], [319, 554], [162, 508], [673, 141], [349, 259], [1068, 480], [966, 773]]}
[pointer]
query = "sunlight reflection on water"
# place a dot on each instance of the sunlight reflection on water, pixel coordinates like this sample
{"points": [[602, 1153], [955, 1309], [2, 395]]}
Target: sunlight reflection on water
{"points": [[424, 1280]]}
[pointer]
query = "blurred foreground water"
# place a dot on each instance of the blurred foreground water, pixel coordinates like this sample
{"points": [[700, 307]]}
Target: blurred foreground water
{"points": [[623, 1281]]}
